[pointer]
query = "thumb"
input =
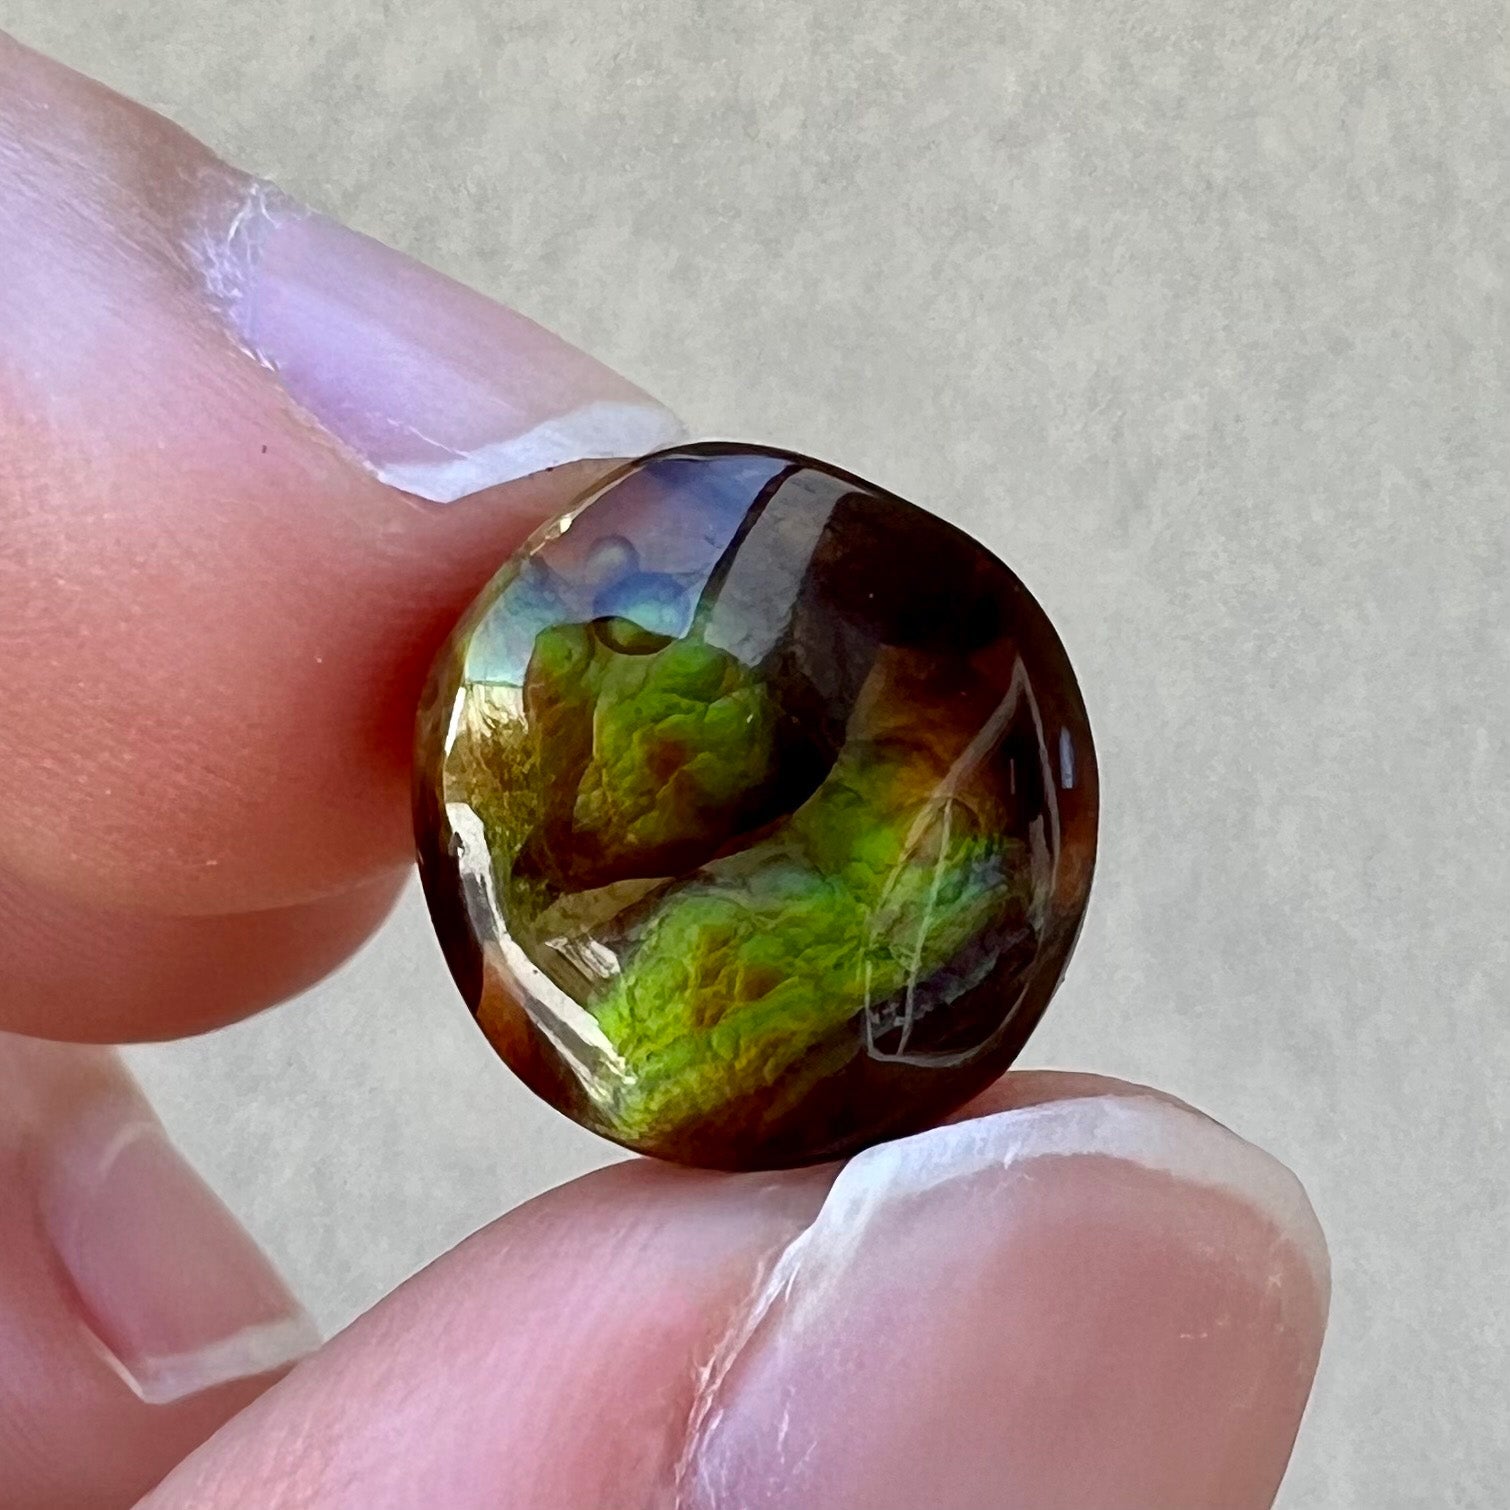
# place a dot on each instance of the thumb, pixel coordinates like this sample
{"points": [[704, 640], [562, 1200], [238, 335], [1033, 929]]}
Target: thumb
{"points": [[252, 464]]}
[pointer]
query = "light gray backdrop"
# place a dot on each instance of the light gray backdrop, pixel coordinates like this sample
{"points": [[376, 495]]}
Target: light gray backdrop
{"points": [[1196, 311]]}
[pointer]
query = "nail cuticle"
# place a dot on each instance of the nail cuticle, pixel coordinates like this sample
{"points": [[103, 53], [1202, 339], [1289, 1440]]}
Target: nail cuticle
{"points": [[167, 1290], [798, 1306], [434, 389]]}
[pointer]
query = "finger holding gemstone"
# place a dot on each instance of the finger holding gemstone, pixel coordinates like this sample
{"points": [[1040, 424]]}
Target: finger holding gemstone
{"points": [[756, 810]]}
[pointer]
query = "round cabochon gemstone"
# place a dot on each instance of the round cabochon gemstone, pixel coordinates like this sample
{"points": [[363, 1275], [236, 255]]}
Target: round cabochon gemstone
{"points": [[756, 810]]}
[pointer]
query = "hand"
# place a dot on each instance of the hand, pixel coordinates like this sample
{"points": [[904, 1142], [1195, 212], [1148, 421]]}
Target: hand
{"points": [[217, 601]]}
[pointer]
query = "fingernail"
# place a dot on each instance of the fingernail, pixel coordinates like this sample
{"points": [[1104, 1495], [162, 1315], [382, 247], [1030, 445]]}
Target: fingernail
{"points": [[435, 389], [172, 1290], [1106, 1301]]}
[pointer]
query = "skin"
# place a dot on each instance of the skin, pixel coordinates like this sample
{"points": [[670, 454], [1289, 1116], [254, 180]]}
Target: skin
{"points": [[1115, 1301]]}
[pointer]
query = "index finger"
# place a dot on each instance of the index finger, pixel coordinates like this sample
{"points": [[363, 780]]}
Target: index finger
{"points": [[1082, 1295]]}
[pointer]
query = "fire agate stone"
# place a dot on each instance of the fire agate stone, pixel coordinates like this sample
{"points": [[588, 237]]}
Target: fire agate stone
{"points": [[756, 810]]}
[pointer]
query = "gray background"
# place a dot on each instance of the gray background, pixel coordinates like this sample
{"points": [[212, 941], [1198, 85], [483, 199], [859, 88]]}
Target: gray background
{"points": [[1197, 313]]}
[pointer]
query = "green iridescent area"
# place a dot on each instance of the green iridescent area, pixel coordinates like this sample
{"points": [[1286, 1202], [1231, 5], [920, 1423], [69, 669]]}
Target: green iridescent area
{"points": [[739, 978], [726, 850], [737, 974]]}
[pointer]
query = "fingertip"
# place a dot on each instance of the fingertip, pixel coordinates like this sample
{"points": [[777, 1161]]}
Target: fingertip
{"points": [[98, 974], [172, 1292], [218, 615], [1103, 1299], [552, 1359], [135, 1314]]}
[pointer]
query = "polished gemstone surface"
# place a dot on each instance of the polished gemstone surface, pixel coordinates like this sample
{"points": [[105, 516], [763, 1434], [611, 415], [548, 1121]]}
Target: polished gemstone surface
{"points": [[756, 810]]}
